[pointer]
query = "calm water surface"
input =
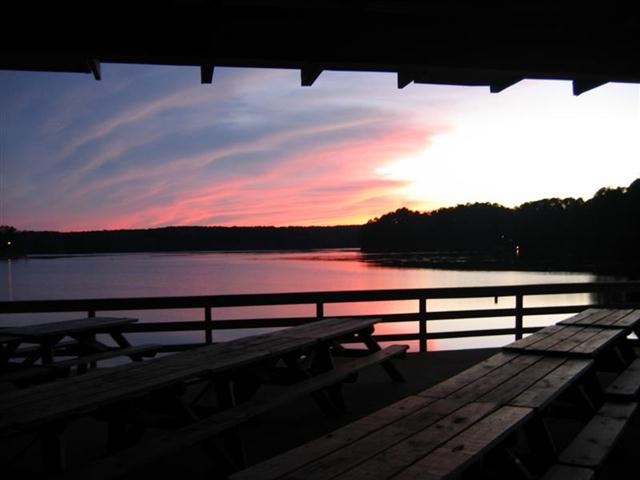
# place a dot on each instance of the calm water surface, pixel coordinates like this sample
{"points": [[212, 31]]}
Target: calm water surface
{"points": [[153, 274]]}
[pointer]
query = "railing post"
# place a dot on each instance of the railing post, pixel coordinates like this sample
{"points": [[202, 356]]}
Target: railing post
{"points": [[208, 337], [519, 309], [91, 313], [319, 310], [422, 319]]}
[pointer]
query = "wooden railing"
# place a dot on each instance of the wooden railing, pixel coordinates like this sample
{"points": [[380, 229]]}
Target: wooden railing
{"points": [[603, 294]]}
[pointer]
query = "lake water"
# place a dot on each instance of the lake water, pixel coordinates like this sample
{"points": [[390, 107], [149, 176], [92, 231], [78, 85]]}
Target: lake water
{"points": [[171, 274]]}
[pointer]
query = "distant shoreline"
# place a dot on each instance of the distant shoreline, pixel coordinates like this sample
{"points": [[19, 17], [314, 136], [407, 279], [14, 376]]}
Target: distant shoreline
{"points": [[428, 260]]}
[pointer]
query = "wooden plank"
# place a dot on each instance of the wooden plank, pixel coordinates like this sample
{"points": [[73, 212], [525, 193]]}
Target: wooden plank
{"points": [[605, 318], [498, 377], [581, 336], [389, 462], [461, 380], [330, 328], [298, 457], [68, 327], [545, 390], [567, 472], [599, 342], [561, 337], [612, 318], [586, 317], [627, 384], [630, 320], [593, 444], [527, 342], [465, 449], [517, 384], [355, 453]]}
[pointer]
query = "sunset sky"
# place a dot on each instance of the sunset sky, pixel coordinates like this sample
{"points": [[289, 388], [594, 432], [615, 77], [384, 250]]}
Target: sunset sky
{"points": [[150, 146]]}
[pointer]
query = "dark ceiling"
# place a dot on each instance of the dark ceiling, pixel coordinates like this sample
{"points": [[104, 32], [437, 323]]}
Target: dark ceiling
{"points": [[461, 42]]}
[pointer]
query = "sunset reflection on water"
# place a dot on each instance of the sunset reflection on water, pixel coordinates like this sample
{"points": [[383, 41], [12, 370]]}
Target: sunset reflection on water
{"points": [[181, 274]]}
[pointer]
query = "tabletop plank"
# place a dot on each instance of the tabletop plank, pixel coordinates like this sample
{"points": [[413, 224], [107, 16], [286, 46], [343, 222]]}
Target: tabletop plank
{"points": [[569, 340], [393, 460], [330, 328], [465, 448], [605, 318], [468, 376], [67, 327], [630, 320], [548, 388]]}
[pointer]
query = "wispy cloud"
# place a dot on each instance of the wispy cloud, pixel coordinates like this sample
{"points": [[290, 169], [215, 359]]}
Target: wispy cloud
{"points": [[149, 146]]}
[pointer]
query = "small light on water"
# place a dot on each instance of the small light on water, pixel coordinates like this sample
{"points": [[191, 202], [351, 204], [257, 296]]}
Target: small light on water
{"points": [[517, 250]]}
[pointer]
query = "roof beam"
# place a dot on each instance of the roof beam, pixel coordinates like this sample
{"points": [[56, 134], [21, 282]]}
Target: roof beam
{"points": [[94, 66], [498, 85], [404, 79], [206, 73], [308, 75], [585, 84]]}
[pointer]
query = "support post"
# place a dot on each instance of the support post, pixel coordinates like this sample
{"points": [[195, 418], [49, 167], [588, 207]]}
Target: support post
{"points": [[208, 333], [91, 313], [319, 310], [422, 319], [519, 309]]}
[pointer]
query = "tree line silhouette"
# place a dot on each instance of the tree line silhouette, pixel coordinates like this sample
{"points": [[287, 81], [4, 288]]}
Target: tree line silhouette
{"points": [[595, 234], [15, 243], [601, 231]]}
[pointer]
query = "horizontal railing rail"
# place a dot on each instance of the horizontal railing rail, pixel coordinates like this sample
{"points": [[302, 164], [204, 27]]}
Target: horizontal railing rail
{"points": [[608, 294]]}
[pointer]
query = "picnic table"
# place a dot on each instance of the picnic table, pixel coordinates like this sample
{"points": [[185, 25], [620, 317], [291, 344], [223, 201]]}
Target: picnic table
{"points": [[487, 411], [49, 335], [305, 353]]}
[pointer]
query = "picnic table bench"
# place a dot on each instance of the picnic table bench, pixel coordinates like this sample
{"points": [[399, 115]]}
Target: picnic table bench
{"points": [[478, 415], [306, 353]]}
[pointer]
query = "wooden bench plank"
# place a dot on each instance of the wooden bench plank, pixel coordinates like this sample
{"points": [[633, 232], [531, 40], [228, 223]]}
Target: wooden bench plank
{"points": [[594, 442], [35, 374], [627, 384], [468, 447], [567, 472], [169, 443]]}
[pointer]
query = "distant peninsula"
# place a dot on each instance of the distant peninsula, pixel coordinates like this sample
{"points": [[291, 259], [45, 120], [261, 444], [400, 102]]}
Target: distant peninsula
{"points": [[601, 234]]}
